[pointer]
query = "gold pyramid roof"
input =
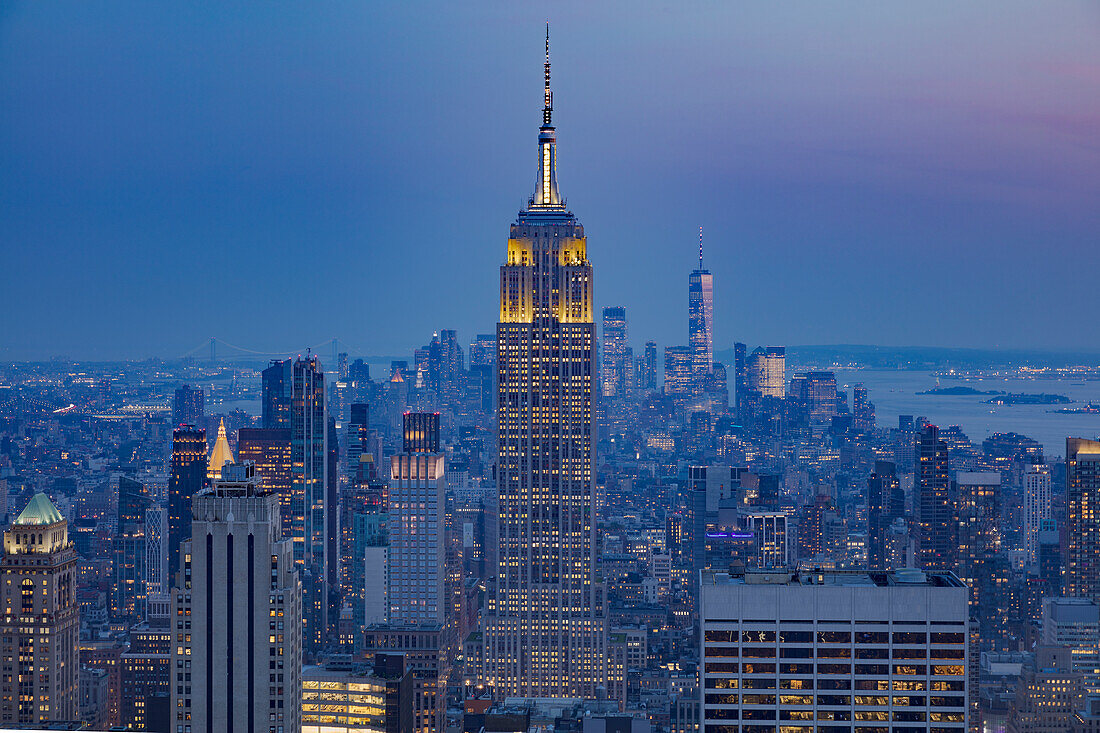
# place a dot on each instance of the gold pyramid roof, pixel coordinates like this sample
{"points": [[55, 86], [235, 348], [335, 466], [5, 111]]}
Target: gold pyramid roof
{"points": [[220, 454]]}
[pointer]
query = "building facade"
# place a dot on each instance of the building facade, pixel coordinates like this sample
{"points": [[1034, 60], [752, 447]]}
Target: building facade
{"points": [[237, 653], [935, 513], [1082, 553], [839, 651], [1037, 507], [544, 629], [41, 622], [186, 478]]}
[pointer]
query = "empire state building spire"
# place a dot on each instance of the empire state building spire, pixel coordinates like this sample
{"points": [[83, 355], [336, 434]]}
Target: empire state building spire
{"points": [[548, 96], [546, 190]]}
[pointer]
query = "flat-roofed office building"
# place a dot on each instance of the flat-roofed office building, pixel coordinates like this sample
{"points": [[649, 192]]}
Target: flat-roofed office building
{"points": [[833, 651]]}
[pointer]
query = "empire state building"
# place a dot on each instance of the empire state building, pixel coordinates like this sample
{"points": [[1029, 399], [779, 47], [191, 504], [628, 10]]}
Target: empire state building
{"points": [[544, 631]]}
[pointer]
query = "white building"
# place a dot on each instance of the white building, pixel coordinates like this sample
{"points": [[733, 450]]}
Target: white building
{"points": [[839, 651], [1037, 507]]}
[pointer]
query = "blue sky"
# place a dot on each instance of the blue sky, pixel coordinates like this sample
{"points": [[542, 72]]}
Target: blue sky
{"points": [[277, 174]]}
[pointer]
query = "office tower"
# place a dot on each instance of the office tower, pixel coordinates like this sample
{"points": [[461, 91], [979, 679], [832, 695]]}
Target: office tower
{"points": [[613, 372], [978, 508], [1046, 694], [359, 373], [812, 539], [818, 392], [275, 395], [1075, 623], [41, 621], [146, 679], [740, 372], [157, 581], [544, 625], [678, 373], [346, 698], [885, 503], [452, 366], [294, 397], [417, 615], [416, 511], [649, 370], [766, 371], [1050, 558], [187, 406], [890, 648], [980, 563], [483, 351], [701, 319], [709, 489], [219, 455], [128, 591], [769, 529], [1082, 554], [238, 614], [268, 449], [863, 410], [1037, 507], [186, 478], [934, 510], [358, 441]]}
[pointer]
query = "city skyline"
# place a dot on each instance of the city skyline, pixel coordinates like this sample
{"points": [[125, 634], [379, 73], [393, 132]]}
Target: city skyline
{"points": [[545, 527], [960, 160]]}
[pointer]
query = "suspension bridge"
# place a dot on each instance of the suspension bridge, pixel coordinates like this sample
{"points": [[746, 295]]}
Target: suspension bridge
{"points": [[217, 349]]}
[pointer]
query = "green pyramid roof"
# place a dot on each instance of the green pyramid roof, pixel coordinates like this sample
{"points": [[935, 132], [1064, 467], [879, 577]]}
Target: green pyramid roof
{"points": [[40, 510]]}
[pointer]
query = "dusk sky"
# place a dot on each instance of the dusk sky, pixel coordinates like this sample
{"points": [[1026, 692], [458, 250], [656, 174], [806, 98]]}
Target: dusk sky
{"points": [[277, 174]]}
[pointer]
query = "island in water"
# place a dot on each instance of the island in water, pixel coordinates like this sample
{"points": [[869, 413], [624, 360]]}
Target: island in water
{"points": [[1092, 408], [958, 391], [1029, 399]]}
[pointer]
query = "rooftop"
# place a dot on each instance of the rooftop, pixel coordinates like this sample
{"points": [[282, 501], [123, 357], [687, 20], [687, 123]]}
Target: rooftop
{"points": [[906, 577], [39, 511]]}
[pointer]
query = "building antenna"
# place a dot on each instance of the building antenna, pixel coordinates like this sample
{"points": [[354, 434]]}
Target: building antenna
{"points": [[547, 95], [700, 248]]}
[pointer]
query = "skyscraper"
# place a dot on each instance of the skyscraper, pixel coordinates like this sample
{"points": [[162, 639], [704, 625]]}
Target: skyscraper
{"points": [[980, 563], [310, 502], [545, 624], [41, 621], [678, 374], [889, 648], [187, 405], [186, 477], [701, 319], [238, 653], [416, 510], [129, 594], [740, 372], [649, 372], [935, 515], [818, 391], [269, 451], [416, 556], [1082, 559], [766, 370], [614, 351], [1037, 506], [294, 398], [885, 503]]}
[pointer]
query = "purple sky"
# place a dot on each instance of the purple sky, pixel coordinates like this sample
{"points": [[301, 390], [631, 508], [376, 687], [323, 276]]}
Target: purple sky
{"points": [[276, 174]]}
